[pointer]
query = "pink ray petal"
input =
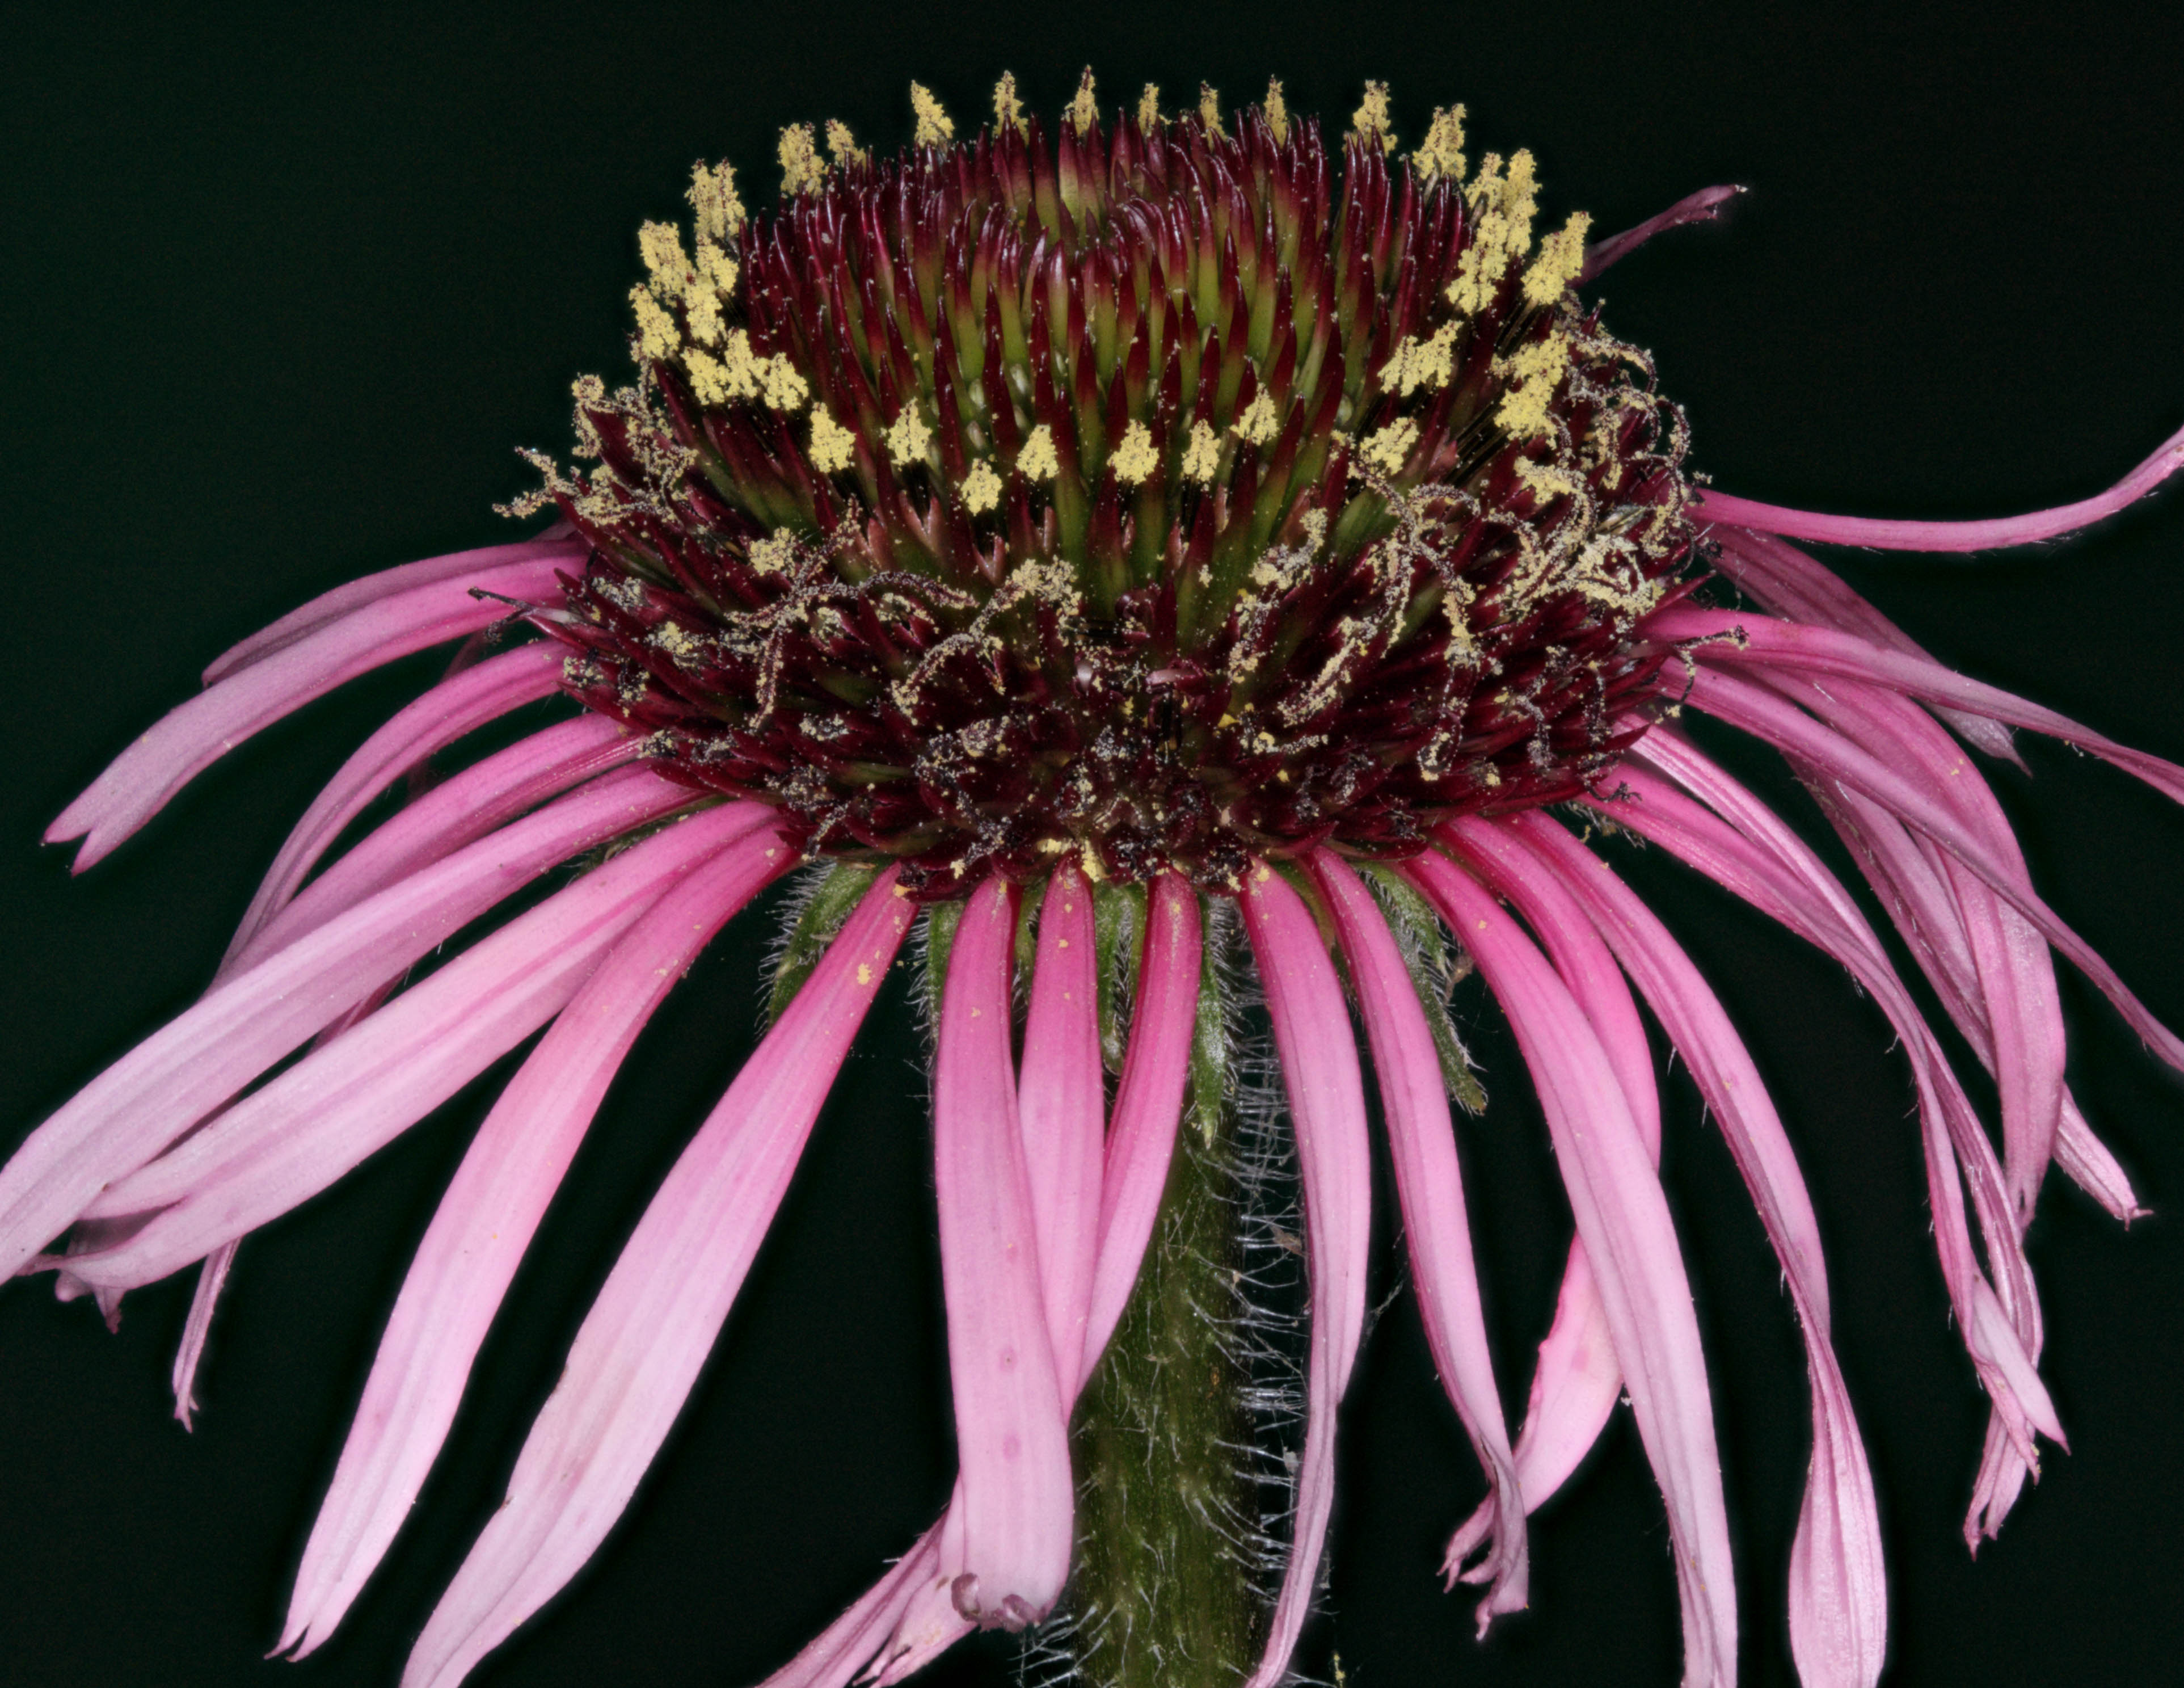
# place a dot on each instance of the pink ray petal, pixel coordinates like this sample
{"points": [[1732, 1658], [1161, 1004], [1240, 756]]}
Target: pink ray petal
{"points": [[456, 706], [156, 1092], [661, 1311], [556, 545], [1061, 1104], [484, 1224], [1430, 1186], [189, 1353], [836, 1655], [1838, 1588], [193, 736], [1327, 1112], [1624, 1218], [285, 1143], [2092, 1167], [1702, 207], [1011, 1430], [1948, 535]]}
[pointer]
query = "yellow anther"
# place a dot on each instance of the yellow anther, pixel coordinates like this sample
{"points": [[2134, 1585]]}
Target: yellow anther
{"points": [[909, 438], [1442, 153], [657, 336], [784, 388], [841, 146], [774, 554], [982, 489], [1420, 363], [1134, 458], [1008, 109], [1560, 262], [1276, 111], [802, 169], [1389, 447], [708, 378], [1201, 458], [1038, 460], [713, 197], [1149, 107], [1209, 108], [833, 447], [1083, 112], [1259, 423], [933, 124], [661, 245], [1536, 370], [1371, 119]]}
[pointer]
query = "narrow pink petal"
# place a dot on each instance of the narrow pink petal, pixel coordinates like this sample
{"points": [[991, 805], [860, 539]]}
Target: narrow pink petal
{"points": [[1949, 536], [1623, 1219], [661, 1311], [555, 545], [1799, 588], [193, 736], [1148, 1106], [169, 1082], [2087, 1159], [1702, 207], [1327, 1112], [484, 1224], [456, 706], [1430, 1186], [1011, 1427], [1061, 1104], [839, 1652], [1839, 1601], [452, 815], [211, 1279], [283, 1144]]}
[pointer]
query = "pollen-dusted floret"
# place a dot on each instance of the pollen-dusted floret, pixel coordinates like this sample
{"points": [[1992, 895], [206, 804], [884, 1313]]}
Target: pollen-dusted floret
{"points": [[1162, 490]]}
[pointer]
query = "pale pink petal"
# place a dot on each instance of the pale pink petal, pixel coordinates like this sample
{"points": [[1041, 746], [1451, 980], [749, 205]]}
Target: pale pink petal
{"points": [[190, 1352], [484, 1224], [193, 736], [554, 545], [647, 1336], [1624, 1218], [840, 1650], [1327, 1113], [452, 815], [454, 707], [1430, 1186], [2087, 1159], [1702, 207], [1061, 1104], [1948, 535], [1011, 1429], [154, 1094], [283, 1144]]}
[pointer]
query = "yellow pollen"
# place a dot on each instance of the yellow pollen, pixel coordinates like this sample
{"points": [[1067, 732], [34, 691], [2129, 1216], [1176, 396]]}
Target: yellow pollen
{"points": [[1560, 262], [1134, 458], [908, 439], [774, 554], [1420, 363], [1209, 108], [1258, 424], [1201, 458], [657, 336], [1372, 118], [1389, 448], [1442, 153], [661, 245], [1537, 369], [1276, 111], [713, 197], [802, 169], [784, 388], [864, 972], [1083, 111], [1148, 106], [833, 446], [1038, 460], [933, 124], [982, 489], [1008, 109], [841, 146]]}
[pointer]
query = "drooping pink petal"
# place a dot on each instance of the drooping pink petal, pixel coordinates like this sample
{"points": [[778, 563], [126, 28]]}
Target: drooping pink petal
{"points": [[193, 736], [1430, 1186], [485, 1224], [1702, 207], [156, 1092], [1948, 535], [462, 810], [189, 1353], [555, 545], [456, 706], [1327, 1112], [1061, 1104], [1011, 1430], [285, 1143], [661, 1311], [1148, 1106], [1624, 1218], [2094, 1170], [840, 1650], [1838, 1597]]}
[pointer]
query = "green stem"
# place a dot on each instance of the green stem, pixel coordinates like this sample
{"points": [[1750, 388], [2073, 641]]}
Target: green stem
{"points": [[1163, 1594]]}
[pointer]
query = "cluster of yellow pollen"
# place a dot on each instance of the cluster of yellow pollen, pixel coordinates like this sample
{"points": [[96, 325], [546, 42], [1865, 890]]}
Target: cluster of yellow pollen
{"points": [[1083, 111], [1202, 457], [1441, 153], [1371, 119], [1134, 458]]}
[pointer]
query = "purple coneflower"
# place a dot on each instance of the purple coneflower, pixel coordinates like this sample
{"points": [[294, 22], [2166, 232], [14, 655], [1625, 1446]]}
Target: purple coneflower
{"points": [[1123, 551]]}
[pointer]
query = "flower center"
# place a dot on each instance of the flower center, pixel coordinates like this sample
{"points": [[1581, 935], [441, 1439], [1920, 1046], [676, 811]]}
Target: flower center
{"points": [[1157, 495]]}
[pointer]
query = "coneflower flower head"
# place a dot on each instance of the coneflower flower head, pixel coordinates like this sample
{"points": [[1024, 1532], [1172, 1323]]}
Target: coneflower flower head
{"points": [[1122, 548]]}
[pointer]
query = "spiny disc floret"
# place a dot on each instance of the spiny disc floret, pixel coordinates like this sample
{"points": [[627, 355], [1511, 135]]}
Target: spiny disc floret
{"points": [[1155, 494]]}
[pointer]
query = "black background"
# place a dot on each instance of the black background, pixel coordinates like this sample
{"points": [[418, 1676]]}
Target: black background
{"points": [[279, 295]]}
